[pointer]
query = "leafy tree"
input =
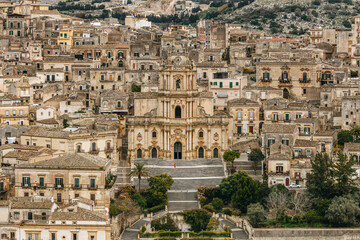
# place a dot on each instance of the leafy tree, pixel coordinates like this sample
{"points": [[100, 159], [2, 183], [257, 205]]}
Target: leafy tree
{"points": [[213, 225], [218, 204], [343, 211], [114, 210], [312, 217], [65, 123], [356, 132], [256, 156], [165, 223], [135, 88], [161, 183], [256, 214], [347, 24], [156, 198], [321, 179], [343, 174], [344, 136], [241, 190], [140, 200], [139, 171], [198, 219], [229, 156]]}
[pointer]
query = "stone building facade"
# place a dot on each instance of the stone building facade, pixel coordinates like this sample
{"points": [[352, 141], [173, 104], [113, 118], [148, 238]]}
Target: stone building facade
{"points": [[178, 122]]}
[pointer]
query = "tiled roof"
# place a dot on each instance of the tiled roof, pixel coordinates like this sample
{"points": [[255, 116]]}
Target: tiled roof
{"points": [[352, 146], [242, 101], [70, 161], [46, 132], [304, 143], [278, 128], [31, 205], [80, 215]]}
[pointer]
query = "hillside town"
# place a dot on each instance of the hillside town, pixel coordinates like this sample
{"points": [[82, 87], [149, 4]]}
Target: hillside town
{"points": [[115, 131]]}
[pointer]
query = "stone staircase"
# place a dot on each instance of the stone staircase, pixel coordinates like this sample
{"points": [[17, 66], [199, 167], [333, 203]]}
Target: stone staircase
{"points": [[242, 164], [188, 177], [122, 174]]}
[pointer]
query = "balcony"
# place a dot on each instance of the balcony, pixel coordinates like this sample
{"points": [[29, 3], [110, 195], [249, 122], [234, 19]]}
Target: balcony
{"points": [[94, 151], [265, 79], [285, 80], [73, 186], [95, 187], [59, 186], [109, 150], [37, 185], [26, 185], [301, 80]]}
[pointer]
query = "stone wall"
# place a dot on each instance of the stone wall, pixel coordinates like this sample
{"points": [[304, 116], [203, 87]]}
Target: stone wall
{"points": [[306, 233]]}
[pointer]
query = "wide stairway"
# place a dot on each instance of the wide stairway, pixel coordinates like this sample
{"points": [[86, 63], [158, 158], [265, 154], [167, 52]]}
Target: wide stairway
{"points": [[243, 164], [188, 177]]}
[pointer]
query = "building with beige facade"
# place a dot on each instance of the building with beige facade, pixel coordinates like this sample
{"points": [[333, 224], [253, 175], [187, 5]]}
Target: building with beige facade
{"points": [[178, 122], [64, 178]]}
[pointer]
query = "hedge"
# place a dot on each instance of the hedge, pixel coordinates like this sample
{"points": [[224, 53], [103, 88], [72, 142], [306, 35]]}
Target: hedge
{"points": [[209, 234], [162, 234], [155, 209]]}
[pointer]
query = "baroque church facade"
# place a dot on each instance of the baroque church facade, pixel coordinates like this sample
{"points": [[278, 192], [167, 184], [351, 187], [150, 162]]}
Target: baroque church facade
{"points": [[178, 121]]}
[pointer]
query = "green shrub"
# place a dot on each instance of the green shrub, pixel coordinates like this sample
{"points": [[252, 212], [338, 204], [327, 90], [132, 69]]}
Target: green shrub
{"points": [[114, 210], [198, 219], [218, 204], [164, 223], [256, 214], [139, 200], [227, 211], [207, 194], [155, 209], [209, 207], [209, 234], [312, 216]]}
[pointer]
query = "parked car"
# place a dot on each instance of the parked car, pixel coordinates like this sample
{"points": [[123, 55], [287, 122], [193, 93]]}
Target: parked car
{"points": [[294, 185]]}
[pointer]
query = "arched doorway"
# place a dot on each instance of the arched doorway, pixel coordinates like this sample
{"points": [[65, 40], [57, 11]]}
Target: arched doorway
{"points": [[178, 150], [154, 153], [286, 93], [201, 152], [216, 153], [178, 112], [139, 153]]}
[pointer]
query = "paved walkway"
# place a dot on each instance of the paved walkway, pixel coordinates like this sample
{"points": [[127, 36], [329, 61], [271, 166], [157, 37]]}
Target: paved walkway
{"points": [[131, 233], [238, 233]]}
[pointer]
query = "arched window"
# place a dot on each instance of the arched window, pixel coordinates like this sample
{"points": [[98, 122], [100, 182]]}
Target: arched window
{"points": [[178, 84], [121, 64], [139, 153], [178, 112], [216, 153], [108, 145], [201, 152], [201, 134], [30, 216], [78, 148], [93, 146], [119, 78], [80, 87], [118, 104], [304, 76], [154, 153], [177, 150]]}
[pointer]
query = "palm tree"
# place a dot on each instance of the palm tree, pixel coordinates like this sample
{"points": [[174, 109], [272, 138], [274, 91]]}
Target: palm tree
{"points": [[139, 171]]}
